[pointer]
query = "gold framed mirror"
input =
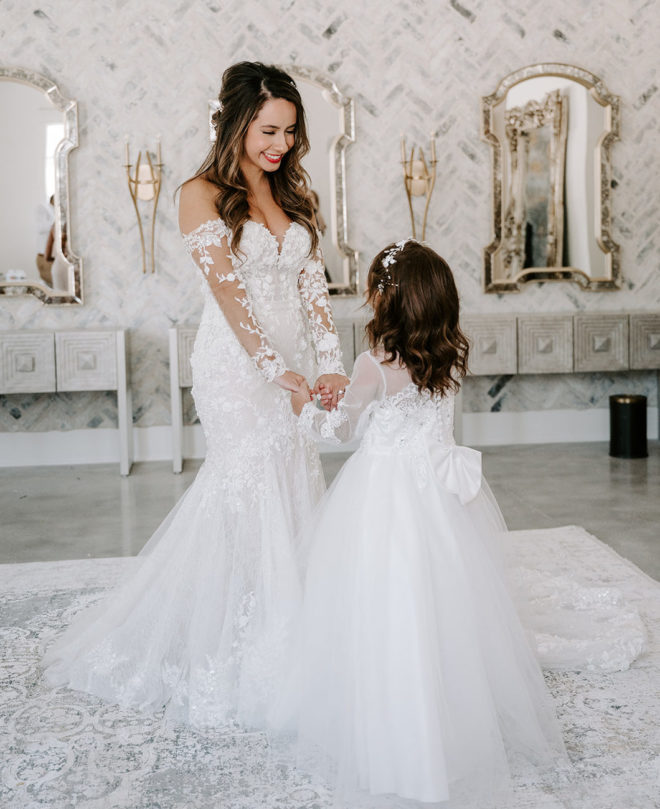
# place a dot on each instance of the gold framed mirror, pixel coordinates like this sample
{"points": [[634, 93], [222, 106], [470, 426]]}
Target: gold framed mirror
{"points": [[331, 128], [551, 127], [38, 130]]}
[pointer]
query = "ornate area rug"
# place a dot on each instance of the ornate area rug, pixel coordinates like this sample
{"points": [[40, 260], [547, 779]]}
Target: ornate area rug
{"points": [[64, 749]]}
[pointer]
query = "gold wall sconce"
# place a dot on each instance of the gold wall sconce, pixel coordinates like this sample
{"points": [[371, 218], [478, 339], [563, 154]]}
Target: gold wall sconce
{"points": [[418, 179], [145, 184]]}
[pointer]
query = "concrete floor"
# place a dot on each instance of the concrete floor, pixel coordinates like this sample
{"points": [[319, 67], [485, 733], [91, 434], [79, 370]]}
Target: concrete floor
{"points": [[74, 512]]}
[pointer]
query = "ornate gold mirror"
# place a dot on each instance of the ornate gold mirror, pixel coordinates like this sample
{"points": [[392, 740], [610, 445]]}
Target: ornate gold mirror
{"points": [[551, 127], [331, 128], [38, 129]]}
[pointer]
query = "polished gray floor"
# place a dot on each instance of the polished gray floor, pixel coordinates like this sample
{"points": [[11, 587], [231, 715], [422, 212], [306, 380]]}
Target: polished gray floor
{"points": [[73, 512]]}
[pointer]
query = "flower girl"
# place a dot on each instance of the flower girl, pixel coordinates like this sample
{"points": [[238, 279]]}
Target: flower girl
{"points": [[413, 675]]}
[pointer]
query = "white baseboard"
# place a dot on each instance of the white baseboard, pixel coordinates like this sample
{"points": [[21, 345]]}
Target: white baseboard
{"points": [[65, 447], [60, 448], [543, 427]]}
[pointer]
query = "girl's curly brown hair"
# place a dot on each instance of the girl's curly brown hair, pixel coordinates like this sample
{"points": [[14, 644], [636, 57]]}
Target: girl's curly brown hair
{"points": [[415, 320], [246, 86]]}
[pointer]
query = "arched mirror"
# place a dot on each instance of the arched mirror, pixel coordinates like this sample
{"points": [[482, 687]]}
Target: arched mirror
{"points": [[331, 128], [38, 129], [551, 127]]}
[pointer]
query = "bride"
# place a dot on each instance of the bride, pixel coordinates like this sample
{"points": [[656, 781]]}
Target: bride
{"points": [[201, 626]]}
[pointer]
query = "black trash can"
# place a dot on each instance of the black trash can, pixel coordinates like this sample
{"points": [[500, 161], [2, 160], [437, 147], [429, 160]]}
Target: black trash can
{"points": [[628, 426]]}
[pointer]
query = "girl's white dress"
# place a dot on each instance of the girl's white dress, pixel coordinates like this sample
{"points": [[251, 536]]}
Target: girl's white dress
{"points": [[203, 623], [412, 675]]}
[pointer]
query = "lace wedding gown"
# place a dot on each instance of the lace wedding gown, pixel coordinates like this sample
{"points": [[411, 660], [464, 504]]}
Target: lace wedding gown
{"points": [[202, 625], [412, 674]]}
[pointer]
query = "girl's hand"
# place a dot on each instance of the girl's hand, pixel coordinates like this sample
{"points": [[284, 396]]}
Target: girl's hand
{"points": [[290, 380], [331, 388], [300, 397]]}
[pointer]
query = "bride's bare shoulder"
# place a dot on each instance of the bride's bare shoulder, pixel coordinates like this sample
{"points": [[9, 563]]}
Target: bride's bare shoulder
{"points": [[196, 203]]}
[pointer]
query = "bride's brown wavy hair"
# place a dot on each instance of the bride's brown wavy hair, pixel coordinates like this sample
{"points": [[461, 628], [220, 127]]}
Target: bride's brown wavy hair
{"points": [[246, 87], [416, 311]]}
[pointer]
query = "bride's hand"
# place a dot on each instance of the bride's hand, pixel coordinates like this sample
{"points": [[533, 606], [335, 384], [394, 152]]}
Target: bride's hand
{"points": [[331, 388], [300, 397], [290, 380]]}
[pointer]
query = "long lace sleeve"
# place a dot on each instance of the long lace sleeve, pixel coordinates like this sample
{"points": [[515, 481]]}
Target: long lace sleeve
{"points": [[208, 245], [348, 420], [314, 293]]}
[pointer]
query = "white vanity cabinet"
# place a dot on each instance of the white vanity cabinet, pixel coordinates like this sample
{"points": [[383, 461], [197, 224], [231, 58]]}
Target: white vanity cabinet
{"points": [[506, 344], [558, 343], [69, 361]]}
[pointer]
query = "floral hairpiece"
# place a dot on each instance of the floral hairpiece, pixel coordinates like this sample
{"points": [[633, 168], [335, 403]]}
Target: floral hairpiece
{"points": [[388, 259]]}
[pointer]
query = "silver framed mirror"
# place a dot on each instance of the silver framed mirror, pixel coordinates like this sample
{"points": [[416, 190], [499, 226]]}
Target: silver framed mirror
{"points": [[331, 128], [38, 130], [551, 128]]}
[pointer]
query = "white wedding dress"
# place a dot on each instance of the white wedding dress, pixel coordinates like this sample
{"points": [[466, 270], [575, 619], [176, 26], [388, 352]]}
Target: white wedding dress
{"points": [[202, 626], [412, 674]]}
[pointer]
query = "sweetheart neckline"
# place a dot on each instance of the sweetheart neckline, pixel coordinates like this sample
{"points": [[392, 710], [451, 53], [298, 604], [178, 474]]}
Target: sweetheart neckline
{"points": [[280, 245]]}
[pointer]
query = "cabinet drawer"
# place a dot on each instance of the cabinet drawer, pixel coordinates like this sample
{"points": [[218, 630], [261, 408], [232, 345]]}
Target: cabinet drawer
{"points": [[493, 345], [645, 341], [27, 362], [86, 360], [601, 342], [545, 344]]}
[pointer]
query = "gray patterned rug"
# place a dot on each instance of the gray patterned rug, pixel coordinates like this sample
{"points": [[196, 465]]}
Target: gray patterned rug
{"points": [[63, 749]]}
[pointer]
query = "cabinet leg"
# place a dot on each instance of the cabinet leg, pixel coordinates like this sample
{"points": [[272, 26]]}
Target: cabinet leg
{"points": [[124, 406], [176, 400], [124, 409]]}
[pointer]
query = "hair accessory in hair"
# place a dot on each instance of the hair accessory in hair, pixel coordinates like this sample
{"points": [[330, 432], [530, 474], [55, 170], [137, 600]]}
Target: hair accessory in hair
{"points": [[388, 259]]}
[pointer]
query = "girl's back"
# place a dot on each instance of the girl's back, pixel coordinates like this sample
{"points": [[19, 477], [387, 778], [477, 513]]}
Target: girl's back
{"points": [[405, 415]]}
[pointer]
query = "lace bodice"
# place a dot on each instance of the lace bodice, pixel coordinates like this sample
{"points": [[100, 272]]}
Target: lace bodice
{"points": [[391, 415], [266, 283], [405, 418], [265, 311]]}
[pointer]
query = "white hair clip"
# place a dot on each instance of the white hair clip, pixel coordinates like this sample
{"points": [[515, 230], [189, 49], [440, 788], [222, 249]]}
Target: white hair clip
{"points": [[388, 259]]}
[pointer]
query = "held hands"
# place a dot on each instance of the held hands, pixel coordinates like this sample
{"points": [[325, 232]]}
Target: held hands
{"points": [[300, 398], [331, 388], [290, 380], [297, 384]]}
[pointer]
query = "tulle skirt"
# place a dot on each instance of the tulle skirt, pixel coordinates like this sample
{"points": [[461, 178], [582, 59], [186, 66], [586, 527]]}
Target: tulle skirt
{"points": [[412, 675], [203, 623]]}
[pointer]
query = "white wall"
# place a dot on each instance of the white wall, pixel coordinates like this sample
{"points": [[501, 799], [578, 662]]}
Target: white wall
{"points": [[413, 66]]}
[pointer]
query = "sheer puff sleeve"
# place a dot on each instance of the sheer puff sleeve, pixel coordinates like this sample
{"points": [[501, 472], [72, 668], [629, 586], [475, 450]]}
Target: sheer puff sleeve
{"points": [[208, 245], [313, 291], [350, 417]]}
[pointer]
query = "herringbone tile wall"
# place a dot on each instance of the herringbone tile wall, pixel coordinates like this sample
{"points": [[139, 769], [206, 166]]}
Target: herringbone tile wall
{"points": [[147, 68]]}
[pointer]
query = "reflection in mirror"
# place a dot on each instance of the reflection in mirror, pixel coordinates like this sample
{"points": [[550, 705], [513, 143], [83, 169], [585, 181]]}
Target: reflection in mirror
{"points": [[331, 127], [38, 128], [551, 128]]}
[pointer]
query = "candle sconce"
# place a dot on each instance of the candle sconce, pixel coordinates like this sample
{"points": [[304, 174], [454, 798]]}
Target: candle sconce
{"points": [[145, 184], [418, 179]]}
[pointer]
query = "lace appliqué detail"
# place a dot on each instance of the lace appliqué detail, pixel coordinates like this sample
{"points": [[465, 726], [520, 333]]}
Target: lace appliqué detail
{"points": [[313, 290], [332, 420], [210, 234], [585, 627], [248, 423]]}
